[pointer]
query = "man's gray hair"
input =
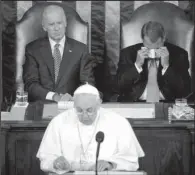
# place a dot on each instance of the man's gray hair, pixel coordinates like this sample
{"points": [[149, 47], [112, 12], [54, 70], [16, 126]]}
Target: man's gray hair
{"points": [[153, 30], [52, 7]]}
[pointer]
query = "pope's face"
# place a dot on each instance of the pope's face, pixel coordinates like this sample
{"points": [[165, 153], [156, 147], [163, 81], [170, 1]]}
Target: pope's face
{"points": [[86, 106], [54, 23]]}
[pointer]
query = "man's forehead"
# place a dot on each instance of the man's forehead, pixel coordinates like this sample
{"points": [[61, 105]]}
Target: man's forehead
{"points": [[148, 42], [54, 10]]}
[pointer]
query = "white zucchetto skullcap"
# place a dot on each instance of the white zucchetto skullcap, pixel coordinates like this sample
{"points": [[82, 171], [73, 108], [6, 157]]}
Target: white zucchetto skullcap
{"points": [[86, 89]]}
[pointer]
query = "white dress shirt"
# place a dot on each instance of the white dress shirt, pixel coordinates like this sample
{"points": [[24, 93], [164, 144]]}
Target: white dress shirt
{"points": [[61, 138], [50, 94], [144, 95]]}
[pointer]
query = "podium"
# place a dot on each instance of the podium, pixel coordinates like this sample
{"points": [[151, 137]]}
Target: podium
{"points": [[104, 173]]}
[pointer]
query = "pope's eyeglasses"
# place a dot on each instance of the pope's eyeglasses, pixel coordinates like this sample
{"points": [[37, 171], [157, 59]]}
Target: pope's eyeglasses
{"points": [[89, 111]]}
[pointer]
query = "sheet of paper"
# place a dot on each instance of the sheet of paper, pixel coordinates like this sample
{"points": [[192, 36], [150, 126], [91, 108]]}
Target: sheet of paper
{"points": [[65, 104]]}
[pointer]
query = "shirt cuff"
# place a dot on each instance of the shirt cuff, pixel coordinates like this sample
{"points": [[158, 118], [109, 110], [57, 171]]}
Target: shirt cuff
{"points": [[164, 70], [124, 165], [138, 69], [61, 171], [50, 95]]}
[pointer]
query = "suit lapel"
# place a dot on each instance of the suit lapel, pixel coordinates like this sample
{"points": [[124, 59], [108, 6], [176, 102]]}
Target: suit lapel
{"points": [[66, 58], [47, 56]]}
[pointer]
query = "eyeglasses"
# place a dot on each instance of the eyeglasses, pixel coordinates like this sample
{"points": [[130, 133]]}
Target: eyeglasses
{"points": [[89, 111]]}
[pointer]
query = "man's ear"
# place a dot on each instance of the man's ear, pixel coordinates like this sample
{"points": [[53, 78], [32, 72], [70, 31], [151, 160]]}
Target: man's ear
{"points": [[44, 29], [164, 38], [100, 102], [43, 26]]}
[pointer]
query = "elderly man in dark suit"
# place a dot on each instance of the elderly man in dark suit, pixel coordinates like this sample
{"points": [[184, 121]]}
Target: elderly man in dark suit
{"points": [[153, 70], [56, 65]]}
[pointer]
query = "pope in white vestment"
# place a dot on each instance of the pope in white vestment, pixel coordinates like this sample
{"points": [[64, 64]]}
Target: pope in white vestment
{"points": [[71, 136]]}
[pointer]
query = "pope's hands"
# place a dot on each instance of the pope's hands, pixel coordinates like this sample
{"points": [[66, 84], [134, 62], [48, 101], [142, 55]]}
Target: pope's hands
{"points": [[61, 164], [102, 166], [141, 56]]}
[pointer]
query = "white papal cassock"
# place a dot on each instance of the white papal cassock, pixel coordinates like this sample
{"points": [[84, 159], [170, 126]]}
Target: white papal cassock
{"points": [[65, 135]]}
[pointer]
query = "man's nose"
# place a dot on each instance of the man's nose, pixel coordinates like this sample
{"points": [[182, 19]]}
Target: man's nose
{"points": [[85, 113], [56, 27]]}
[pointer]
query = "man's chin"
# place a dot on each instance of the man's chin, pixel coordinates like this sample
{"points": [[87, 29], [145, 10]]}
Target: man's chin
{"points": [[87, 122], [57, 38]]}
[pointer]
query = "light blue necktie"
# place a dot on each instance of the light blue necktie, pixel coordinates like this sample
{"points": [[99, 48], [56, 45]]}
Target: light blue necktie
{"points": [[153, 93], [57, 60]]}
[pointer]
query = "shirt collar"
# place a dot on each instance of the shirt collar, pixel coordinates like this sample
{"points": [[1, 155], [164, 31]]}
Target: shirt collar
{"points": [[53, 43]]}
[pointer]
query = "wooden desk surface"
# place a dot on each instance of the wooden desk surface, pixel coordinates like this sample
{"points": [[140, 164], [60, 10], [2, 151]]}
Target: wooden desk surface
{"points": [[29, 124], [137, 124]]}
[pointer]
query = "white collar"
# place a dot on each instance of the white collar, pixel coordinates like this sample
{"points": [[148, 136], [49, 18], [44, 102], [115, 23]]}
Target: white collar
{"points": [[53, 43]]}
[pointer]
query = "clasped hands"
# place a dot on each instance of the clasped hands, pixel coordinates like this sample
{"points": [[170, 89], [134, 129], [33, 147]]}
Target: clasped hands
{"points": [[61, 164], [161, 53]]}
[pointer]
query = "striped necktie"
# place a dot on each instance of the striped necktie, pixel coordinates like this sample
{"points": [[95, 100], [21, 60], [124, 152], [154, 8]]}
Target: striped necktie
{"points": [[153, 93], [57, 60]]}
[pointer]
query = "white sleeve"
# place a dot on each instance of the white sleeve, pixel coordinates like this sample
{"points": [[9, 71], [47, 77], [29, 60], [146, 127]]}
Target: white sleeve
{"points": [[138, 69], [129, 149], [46, 164], [50, 95], [164, 70], [50, 147]]}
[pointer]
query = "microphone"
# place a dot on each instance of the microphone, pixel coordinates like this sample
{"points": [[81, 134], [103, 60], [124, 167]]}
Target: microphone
{"points": [[99, 139]]}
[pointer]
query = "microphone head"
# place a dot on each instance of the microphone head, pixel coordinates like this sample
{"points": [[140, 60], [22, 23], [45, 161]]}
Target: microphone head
{"points": [[99, 137]]}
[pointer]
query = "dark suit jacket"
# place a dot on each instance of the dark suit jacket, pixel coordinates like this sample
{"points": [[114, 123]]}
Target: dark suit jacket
{"points": [[175, 83], [38, 70]]}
